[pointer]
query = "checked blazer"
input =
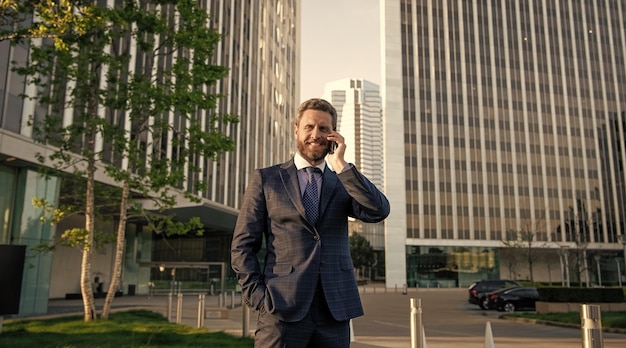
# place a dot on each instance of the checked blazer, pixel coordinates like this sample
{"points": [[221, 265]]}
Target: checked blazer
{"points": [[299, 254]]}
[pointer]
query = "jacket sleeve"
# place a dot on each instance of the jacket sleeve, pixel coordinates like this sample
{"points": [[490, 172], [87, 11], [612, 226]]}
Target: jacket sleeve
{"points": [[368, 203], [247, 241]]}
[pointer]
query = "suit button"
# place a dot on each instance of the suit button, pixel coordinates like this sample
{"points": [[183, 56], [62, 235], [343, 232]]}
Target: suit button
{"points": [[316, 237], [323, 262]]}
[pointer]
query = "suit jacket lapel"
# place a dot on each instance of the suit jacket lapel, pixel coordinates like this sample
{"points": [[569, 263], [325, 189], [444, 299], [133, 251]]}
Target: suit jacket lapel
{"points": [[289, 177], [328, 188]]}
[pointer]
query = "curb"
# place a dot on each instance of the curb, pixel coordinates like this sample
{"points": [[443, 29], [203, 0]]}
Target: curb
{"points": [[76, 313], [556, 323]]}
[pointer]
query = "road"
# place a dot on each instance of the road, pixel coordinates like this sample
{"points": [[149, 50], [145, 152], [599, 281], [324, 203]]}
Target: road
{"points": [[449, 319]]}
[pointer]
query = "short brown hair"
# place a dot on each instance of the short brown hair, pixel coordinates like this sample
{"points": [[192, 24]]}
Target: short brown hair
{"points": [[320, 105]]}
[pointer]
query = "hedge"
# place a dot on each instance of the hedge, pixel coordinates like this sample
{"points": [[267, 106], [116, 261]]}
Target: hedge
{"points": [[581, 295]]}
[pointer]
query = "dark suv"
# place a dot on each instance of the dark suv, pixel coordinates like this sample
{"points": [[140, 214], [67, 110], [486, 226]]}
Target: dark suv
{"points": [[479, 290]]}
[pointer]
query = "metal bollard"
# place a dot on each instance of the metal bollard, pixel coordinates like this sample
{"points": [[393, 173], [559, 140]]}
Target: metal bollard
{"points": [[591, 326], [200, 310], [179, 308], [246, 319], [352, 338], [417, 332]]}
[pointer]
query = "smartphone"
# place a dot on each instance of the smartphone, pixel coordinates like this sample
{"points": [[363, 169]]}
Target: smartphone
{"points": [[331, 147]]}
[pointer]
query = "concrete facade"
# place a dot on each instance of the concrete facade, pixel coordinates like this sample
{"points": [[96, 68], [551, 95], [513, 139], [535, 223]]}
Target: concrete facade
{"points": [[503, 120], [260, 46]]}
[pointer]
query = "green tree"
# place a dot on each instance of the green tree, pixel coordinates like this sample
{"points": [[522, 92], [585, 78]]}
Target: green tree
{"points": [[577, 230], [55, 19], [523, 242], [136, 84], [361, 250], [509, 256]]}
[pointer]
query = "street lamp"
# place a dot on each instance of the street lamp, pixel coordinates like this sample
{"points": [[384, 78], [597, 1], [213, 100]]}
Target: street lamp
{"points": [[161, 269]]}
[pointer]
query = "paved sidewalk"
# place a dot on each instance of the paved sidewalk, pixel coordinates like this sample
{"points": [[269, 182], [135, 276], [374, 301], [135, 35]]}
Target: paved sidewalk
{"points": [[221, 315], [448, 319]]}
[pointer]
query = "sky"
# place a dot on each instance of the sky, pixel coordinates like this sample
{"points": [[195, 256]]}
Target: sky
{"points": [[339, 39]]}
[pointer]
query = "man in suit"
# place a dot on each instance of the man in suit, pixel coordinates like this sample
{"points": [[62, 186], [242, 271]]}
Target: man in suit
{"points": [[306, 291]]}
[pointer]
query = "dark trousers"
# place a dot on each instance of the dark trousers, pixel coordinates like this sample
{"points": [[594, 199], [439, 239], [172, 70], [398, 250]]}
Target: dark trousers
{"points": [[317, 329]]}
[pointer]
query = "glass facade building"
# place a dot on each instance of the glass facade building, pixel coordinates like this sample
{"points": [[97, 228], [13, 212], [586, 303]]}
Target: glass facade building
{"points": [[359, 121], [503, 120], [260, 47]]}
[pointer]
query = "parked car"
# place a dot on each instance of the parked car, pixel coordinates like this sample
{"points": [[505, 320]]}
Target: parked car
{"points": [[514, 299], [479, 290], [488, 303]]}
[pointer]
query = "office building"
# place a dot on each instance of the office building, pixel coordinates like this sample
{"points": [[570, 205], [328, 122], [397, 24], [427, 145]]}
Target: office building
{"points": [[359, 121], [260, 46], [503, 120]]}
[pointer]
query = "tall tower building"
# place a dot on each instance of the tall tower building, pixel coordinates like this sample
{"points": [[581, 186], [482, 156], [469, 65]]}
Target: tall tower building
{"points": [[503, 120], [260, 46], [359, 121]]}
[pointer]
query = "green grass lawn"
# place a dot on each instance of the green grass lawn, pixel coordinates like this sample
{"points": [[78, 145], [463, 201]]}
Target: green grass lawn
{"points": [[138, 328], [614, 320]]}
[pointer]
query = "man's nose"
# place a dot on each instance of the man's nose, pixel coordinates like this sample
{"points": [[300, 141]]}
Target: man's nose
{"points": [[315, 133]]}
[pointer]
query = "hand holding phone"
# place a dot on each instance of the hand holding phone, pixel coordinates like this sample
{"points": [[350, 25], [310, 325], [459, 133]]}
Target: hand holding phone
{"points": [[336, 152], [332, 147]]}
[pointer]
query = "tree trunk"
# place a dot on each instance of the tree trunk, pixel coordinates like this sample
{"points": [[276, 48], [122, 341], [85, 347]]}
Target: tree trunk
{"points": [[119, 252], [530, 257], [85, 281], [530, 268], [90, 217]]}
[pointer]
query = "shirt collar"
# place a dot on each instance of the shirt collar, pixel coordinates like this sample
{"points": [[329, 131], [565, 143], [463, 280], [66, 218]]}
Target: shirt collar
{"points": [[301, 163]]}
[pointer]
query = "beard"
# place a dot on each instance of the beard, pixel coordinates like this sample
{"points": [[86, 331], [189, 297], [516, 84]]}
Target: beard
{"points": [[315, 155]]}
